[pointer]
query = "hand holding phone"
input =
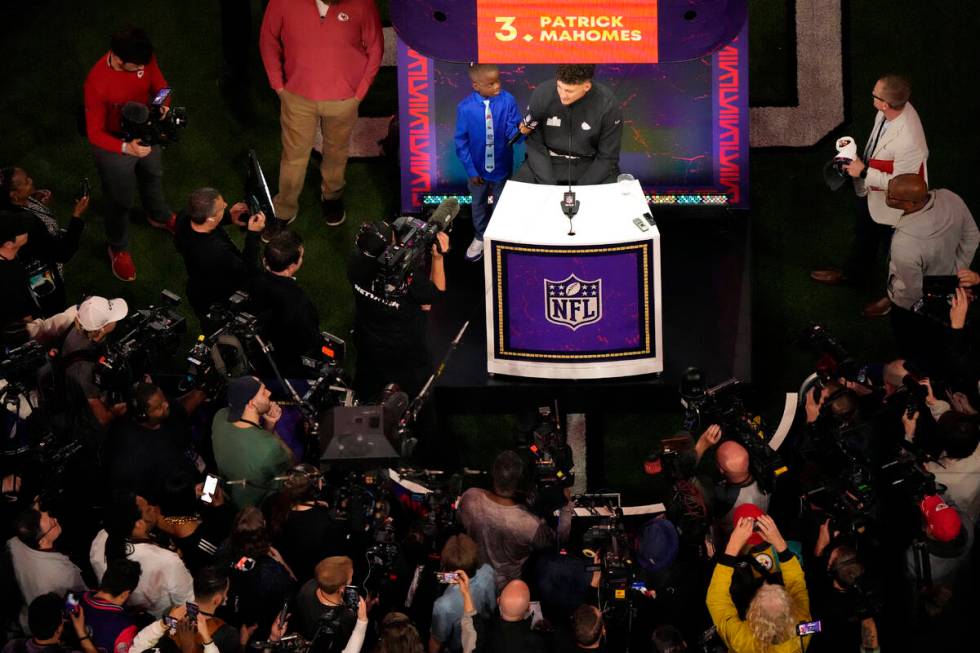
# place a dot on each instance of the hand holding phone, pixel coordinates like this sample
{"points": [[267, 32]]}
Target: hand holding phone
{"points": [[210, 486], [447, 577], [71, 604], [808, 628]]}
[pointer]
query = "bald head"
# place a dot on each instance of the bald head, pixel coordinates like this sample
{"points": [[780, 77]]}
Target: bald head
{"points": [[733, 461], [908, 192], [514, 600]]}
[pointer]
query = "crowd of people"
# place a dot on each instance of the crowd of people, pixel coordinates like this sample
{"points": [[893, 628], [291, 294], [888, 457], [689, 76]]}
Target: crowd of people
{"points": [[152, 515]]}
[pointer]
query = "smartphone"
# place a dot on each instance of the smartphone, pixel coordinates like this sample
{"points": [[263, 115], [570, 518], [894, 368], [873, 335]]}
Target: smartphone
{"points": [[447, 577], [283, 613], [534, 607], [210, 487], [352, 598], [71, 603], [170, 621], [808, 628], [161, 96], [245, 564], [84, 188], [638, 585], [192, 611]]}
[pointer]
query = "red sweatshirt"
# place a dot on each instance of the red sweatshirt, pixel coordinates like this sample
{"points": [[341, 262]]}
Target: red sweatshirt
{"points": [[331, 58], [107, 90]]}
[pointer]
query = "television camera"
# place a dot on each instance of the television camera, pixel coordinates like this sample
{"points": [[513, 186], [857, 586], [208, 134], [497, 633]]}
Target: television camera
{"points": [[147, 340], [723, 404], [153, 124], [401, 261]]}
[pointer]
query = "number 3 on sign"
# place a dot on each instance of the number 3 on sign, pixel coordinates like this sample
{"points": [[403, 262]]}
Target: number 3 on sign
{"points": [[507, 31]]}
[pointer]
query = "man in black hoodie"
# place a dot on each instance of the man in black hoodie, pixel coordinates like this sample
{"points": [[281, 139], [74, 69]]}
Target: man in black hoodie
{"points": [[216, 268], [288, 319]]}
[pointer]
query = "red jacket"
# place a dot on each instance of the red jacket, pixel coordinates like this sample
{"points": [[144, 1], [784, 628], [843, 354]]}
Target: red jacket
{"points": [[107, 90], [331, 58]]}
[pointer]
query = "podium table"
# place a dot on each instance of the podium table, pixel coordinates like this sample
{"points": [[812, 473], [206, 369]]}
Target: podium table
{"points": [[583, 306]]}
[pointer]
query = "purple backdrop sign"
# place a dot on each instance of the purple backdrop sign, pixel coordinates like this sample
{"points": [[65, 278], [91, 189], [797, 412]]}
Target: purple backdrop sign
{"points": [[573, 304]]}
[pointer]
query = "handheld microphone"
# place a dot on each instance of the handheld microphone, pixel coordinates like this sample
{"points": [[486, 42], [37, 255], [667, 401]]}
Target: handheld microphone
{"points": [[443, 215], [530, 123]]}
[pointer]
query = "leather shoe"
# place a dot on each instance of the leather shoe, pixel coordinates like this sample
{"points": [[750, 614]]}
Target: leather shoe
{"points": [[829, 277], [878, 308]]}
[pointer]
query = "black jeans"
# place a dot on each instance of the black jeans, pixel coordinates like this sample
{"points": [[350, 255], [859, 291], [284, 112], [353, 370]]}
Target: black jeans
{"points": [[871, 240], [122, 175]]}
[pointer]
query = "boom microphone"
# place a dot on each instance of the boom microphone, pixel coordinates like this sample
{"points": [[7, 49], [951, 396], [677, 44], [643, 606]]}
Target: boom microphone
{"points": [[443, 216], [530, 123]]}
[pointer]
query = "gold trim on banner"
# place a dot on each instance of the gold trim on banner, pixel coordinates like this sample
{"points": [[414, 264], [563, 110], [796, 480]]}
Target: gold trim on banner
{"points": [[644, 250]]}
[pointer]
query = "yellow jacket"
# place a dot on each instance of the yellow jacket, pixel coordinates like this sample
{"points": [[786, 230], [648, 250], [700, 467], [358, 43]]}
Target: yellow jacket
{"points": [[734, 632]]}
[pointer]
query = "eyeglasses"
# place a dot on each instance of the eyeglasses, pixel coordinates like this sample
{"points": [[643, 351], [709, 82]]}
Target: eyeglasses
{"points": [[880, 99]]}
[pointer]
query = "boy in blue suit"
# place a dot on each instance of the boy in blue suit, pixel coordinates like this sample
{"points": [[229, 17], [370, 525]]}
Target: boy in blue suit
{"points": [[485, 120]]}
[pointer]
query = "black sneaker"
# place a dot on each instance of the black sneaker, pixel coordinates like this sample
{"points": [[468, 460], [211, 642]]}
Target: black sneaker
{"points": [[273, 228], [333, 212]]}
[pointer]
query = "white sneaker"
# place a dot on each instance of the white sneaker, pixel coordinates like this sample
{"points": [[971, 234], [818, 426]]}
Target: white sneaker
{"points": [[475, 251]]}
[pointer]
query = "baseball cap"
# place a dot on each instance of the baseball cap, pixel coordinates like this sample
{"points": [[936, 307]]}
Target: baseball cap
{"points": [[749, 510], [96, 312], [659, 545], [942, 521], [240, 392]]}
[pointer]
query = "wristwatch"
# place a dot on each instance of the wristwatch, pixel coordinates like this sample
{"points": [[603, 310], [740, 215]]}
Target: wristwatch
{"points": [[864, 173]]}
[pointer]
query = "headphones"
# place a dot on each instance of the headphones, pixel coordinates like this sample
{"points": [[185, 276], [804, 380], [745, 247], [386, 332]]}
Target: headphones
{"points": [[306, 477], [138, 409]]}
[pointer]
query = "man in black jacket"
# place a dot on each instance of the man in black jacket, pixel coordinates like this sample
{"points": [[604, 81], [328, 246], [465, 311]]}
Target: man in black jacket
{"points": [[18, 304], [579, 133], [288, 319], [216, 268]]}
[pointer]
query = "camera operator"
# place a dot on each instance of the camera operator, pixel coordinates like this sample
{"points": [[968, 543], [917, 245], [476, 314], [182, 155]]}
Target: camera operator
{"points": [[939, 560], [301, 524], [18, 304], [246, 446], [322, 614], [152, 441], [37, 566], [736, 487], [958, 465], [935, 235], [97, 318], [502, 525], [287, 317], [127, 73], [48, 246], [770, 622], [216, 268], [390, 333], [841, 594]]}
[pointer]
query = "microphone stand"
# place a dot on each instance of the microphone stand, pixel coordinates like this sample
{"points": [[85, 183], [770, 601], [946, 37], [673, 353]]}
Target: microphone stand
{"points": [[569, 205]]}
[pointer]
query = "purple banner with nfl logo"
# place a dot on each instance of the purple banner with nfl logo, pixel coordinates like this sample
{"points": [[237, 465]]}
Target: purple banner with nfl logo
{"points": [[573, 304]]}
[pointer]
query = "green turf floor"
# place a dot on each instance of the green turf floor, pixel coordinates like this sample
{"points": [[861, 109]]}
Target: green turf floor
{"points": [[48, 46]]}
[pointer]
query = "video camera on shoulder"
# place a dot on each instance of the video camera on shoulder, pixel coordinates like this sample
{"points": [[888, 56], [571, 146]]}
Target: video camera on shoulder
{"points": [[152, 124], [399, 263], [723, 405]]}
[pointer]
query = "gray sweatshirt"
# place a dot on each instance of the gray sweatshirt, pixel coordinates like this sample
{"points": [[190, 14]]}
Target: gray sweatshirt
{"points": [[939, 239]]}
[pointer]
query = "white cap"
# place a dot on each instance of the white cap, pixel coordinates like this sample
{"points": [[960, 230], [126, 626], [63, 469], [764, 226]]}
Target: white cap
{"points": [[96, 312], [846, 148]]}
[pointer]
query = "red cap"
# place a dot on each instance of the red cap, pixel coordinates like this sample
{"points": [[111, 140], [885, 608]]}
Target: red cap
{"points": [[748, 510], [942, 521]]}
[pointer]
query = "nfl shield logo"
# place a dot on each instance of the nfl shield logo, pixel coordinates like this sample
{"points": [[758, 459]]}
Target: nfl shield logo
{"points": [[573, 302]]}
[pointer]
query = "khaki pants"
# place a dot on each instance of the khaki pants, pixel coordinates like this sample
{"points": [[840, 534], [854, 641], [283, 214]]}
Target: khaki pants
{"points": [[299, 117]]}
